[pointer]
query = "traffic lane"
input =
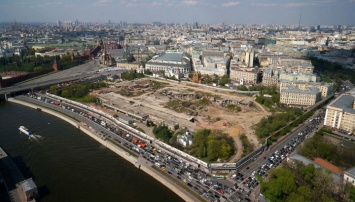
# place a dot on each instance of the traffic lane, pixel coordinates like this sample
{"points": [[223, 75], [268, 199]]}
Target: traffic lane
{"points": [[260, 160], [312, 127]]}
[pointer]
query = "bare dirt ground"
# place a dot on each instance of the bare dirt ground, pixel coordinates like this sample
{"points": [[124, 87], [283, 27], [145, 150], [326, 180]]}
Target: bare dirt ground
{"points": [[153, 101]]}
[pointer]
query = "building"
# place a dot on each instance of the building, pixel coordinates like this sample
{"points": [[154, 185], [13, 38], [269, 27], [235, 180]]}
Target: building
{"points": [[270, 76], [215, 62], [245, 76], [296, 65], [56, 66], [125, 120], [249, 57], [284, 76], [135, 40], [170, 62], [210, 71], [349, 176], [297, 97], [340, 113], [324, 88], [185, 139]]}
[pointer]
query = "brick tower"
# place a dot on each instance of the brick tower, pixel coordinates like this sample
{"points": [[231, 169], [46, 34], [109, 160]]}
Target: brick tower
{"points": [[56, 66]]}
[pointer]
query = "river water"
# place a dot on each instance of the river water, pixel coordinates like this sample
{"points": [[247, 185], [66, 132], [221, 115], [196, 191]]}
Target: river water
{"points": [[67, 165]]}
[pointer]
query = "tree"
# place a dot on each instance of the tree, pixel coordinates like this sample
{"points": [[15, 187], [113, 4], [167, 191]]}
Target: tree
{"points": [[148, 72], [352, 193], [242, 88], [162, 132], [224, 80], [37, 69], [280, 185]]}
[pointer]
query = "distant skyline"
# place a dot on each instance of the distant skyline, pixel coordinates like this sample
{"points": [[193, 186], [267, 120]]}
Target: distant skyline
{"points": [[283, 12]]}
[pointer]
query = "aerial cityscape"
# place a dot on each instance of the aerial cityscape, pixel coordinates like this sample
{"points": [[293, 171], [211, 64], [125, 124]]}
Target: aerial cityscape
{"points": [[179, 100]]}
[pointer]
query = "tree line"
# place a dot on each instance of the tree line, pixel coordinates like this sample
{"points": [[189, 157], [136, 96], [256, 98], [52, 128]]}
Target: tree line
{"points": [[274, 122], [131, 75], [79, 92], [28, 62], [333, 70], [321, 146], [294, 182]]}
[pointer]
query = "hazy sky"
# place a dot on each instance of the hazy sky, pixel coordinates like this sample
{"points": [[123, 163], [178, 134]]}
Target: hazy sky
{"points": [[314, 12]]}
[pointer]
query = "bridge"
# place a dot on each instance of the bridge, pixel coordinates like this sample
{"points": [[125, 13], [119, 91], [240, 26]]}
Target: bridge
{"points": [[5, 92]]}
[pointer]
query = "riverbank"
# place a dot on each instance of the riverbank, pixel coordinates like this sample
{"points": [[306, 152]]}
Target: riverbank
{"points": [[140, 163]]}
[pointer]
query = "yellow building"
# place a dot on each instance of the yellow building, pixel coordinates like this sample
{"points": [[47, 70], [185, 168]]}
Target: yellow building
{"points": [[297, 97], [324, 88], [127, 65], [245, 76], [340, 113]]}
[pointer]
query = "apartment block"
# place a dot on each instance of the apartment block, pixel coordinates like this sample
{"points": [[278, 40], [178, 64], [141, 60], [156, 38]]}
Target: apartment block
{"points": [[270, 76], [245, 76], [324, 88], [297, 97], [340, 113]]}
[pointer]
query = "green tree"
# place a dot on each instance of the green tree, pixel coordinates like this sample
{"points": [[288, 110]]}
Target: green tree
{"points": [[224, 80], [280, 185], [162, 132], [37, 69], [352, 193], [242, 88]]}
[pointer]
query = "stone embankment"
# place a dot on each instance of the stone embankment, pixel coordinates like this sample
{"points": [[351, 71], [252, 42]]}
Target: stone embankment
{"points": [[135, 161]]}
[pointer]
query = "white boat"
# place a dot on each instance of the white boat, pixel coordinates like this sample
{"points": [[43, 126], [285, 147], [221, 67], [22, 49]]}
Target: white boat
{"points": [[25, 130]]}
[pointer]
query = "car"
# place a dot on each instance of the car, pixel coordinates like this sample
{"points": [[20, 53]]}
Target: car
{"points": [[220, 191]]}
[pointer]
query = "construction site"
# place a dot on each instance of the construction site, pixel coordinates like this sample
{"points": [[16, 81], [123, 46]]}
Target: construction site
{"points": [[183, 106]]}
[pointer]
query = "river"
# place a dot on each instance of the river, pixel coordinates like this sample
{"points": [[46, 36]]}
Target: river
{"points": [[67, 165]]}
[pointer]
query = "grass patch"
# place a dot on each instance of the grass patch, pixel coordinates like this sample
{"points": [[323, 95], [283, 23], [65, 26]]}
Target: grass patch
{"points": [[181, 184], [190, 90], [140, 129], [247, 147], [158, 85], [123, 148], [177, 105], [326, 79], [203, 102]]}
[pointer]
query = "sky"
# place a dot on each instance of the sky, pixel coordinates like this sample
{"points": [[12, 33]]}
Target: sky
{"points": [[280, 12]]}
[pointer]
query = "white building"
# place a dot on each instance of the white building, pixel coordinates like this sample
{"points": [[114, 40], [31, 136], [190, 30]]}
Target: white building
{"points": [[170, 62], [185, 139], [349, 176]]}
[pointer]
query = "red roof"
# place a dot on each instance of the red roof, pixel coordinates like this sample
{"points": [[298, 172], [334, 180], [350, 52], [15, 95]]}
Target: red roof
{"points": [[327, 165]]}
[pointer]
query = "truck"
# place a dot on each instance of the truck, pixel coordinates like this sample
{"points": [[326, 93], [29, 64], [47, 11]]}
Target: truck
{"points": [[142, 145], [134, 140]]}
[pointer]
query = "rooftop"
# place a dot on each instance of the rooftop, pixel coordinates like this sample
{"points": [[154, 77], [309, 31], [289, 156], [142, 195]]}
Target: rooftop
{"points": [[170, 57], [328, 165], [351, 171], [344, 102]]}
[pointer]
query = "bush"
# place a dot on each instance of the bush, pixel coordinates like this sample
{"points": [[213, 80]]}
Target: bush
{"points": [[163, 133], [131, 75], [212, 145]]}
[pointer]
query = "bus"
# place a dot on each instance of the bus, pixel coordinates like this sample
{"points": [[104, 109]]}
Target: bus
{"points": [[220, 177]]}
